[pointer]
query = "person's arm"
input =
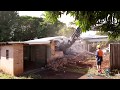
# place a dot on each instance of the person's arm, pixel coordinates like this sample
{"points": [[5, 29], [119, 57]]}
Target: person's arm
{"points": [[97, 55]]}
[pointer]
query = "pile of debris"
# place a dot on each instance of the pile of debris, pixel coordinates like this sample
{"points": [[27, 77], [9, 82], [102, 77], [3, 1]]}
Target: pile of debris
{"points": [[73, 55], [57, 63]]}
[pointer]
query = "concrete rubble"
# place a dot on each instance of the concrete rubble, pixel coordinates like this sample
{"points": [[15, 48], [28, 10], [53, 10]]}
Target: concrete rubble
{"points": [[72, 55], [71, 49]]}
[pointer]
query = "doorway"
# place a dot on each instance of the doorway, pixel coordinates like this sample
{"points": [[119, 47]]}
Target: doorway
{"points": [[35, 56]]}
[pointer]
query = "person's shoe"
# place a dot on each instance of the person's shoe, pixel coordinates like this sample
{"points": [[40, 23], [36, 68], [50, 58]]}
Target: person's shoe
{"points": [[98, 71]]}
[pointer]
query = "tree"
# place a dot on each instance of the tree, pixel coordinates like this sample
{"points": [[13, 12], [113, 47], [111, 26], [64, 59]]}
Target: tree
{"points": [[21, 28], [7, 22], [53, 29], [28, 28], [66, 31], [106, 21]]}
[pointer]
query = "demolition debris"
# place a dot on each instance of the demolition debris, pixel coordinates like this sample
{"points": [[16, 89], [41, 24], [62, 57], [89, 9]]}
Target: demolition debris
{"points": [[72, 55]]}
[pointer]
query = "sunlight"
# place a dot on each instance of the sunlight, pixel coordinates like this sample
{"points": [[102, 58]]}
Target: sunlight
{"points": [[64, 18]]}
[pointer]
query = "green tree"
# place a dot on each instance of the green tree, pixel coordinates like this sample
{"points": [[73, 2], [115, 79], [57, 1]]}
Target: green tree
{"points": [[21, 28], [106, 21], [27, 28], [7, 22], [55, 28], [66, 31]]}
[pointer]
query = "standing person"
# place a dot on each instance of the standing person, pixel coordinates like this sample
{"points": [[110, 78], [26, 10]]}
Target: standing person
{"points": [[99, 58]]}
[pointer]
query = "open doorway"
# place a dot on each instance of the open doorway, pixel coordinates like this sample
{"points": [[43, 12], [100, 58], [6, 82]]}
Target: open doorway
{"points": [[35, 56]]}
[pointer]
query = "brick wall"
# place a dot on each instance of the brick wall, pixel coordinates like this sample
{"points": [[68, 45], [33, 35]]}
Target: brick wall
{"points": [[18, 59], [52, 46], [14, 64], [54, 54]]}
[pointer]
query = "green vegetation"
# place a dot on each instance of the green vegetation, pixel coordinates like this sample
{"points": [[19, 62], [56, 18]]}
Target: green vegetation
{"points": [[106, 21], [20, 28], [30, 76], [66, 31], [7, 22], [7, 76]]}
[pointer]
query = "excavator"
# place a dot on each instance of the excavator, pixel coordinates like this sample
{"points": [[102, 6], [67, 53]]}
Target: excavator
{"points": [[66, 44]]}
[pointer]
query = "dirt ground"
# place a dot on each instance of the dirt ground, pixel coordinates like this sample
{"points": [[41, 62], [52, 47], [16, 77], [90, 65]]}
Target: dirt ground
{"points": [[78, 71]]}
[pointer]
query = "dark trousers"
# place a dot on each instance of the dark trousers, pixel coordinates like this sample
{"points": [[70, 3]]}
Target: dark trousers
{"points": [[99, 60]]}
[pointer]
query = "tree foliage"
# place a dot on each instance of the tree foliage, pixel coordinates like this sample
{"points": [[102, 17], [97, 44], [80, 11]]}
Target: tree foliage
{"points": [[26, 28], [7, 22], [21, 28], [33, 27], [106, 21], [66, 31]]}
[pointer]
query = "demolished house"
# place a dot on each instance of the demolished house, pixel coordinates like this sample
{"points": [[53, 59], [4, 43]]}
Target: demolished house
{"points": [[17, 57]]}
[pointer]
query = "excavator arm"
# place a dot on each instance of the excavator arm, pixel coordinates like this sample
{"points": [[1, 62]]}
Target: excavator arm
{"points": [[76, 34], [74, 37]]}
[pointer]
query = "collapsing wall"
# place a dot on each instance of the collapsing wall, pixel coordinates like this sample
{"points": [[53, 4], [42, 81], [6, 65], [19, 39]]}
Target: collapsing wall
{"points": [[72, 50], [73, 54], [65, 43]]}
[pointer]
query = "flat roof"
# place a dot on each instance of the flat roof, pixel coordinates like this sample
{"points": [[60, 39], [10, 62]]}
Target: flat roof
{"points": [[94, 37], [43, 40]]}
